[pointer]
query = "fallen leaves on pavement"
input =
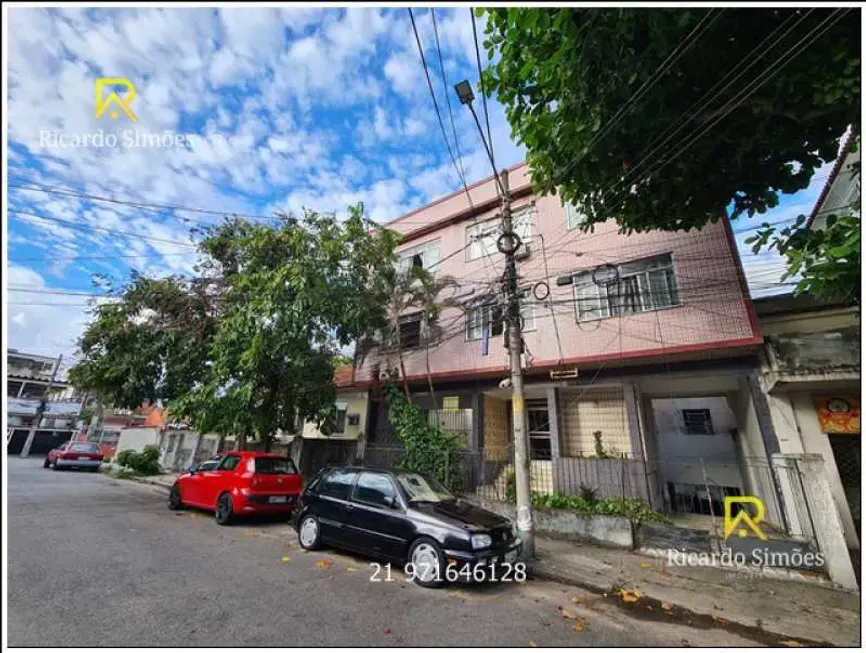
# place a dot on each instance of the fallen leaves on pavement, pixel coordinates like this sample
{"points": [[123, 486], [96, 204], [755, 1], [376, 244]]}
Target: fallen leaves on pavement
{"points": [[579, 626], [576, 600], [286, 559], [324, 564], [791, 643], [630, 596], [532, 644], [351, 569], [566, 614], [646, 565]]}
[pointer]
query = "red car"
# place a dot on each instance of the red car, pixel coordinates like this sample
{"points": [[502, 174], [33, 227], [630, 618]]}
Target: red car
{"points": [[85, 455], [240, 483]]}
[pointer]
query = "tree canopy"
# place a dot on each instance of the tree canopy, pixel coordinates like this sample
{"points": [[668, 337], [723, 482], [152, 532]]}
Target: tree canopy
{"points": [[249, 346], [668, 118]]}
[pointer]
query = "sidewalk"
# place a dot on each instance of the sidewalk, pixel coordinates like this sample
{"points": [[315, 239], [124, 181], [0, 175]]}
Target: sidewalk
{"points": [[794, 610]]}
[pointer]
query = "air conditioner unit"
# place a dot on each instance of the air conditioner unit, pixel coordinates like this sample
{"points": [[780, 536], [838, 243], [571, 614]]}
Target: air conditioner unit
{"points": [[522, 252]]}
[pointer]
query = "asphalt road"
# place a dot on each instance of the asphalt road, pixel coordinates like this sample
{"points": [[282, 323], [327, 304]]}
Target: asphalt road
{"points": [[94, 561]]}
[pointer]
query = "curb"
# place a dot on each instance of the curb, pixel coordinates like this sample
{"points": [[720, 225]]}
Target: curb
{"points": [[144, 480], [747, 629]]}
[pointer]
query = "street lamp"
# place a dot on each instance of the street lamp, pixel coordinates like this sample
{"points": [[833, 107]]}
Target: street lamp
{"points": [[466, 96], [464, 92]]}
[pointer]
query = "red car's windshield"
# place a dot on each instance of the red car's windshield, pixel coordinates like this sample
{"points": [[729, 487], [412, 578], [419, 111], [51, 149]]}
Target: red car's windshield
{"points": [[84, 447], [275, 466]]}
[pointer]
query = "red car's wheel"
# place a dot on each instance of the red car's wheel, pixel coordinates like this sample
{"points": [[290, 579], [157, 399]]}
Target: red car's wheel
{"points": [[174, 501], [46, 464], [224, 509]]}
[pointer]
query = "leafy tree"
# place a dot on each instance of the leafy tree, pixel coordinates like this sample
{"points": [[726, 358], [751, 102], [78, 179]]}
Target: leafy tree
{"points": [[827, 259], [690, 146], [150, 344], [249, 345], [292, 295]]}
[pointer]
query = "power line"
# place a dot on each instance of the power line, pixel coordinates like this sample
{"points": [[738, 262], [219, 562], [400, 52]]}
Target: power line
{"points": [[436, 105], [672, 58], [745, 92], [88, 227], [480, 82], [447, 96], [136, 204]]}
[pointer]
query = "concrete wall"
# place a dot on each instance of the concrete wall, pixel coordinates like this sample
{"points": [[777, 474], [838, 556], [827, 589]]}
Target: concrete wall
{"points": [[137, 439], [610, 530], [718, 451], [356, 404]]}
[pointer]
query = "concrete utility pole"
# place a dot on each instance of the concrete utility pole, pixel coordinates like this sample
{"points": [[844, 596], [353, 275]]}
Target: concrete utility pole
{"points": [[40, 411], [518, 400]]}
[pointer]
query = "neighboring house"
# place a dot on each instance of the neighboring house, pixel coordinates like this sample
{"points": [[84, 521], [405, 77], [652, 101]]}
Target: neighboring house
{"points": [[107, 432], [811, 374], [640, 347], [842, 188], [31, 386], [344, 441]]}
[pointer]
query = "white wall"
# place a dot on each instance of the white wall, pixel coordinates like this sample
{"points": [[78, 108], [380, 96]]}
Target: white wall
{"points": [[680, 454], [356, 404], [137, 439]]}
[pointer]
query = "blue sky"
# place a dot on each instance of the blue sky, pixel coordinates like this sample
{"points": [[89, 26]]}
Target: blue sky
{"points": [[291, 107]]}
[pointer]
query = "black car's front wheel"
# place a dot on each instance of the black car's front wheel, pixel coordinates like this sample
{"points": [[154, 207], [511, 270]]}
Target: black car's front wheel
{"points": [[174, 501], [309, 536], [224, 509], [428, 562]]}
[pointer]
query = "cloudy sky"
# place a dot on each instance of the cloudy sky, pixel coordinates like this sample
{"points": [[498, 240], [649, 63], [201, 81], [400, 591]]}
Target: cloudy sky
{"points": [[291, 108]]}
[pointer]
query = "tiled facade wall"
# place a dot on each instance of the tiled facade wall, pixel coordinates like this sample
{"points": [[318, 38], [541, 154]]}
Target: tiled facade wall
{"points": [[713, 308], [584, 412], [496, 437]]}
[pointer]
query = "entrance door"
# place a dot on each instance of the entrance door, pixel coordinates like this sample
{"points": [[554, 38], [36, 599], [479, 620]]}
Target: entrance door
{"points": [[846, 452], [539, 430]]}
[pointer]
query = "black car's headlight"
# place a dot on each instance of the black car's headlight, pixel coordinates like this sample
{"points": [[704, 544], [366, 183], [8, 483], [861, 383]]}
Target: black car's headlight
{"points": [[481, 541]]}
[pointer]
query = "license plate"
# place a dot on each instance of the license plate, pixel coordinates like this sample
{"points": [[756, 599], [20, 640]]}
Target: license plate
{"points": [[278, 499], [83, 458], [511, 556]]}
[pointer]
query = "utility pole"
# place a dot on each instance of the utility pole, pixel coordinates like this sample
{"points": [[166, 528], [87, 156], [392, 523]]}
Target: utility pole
{"points": [[518, 400], [508, 243], [40, 411]]}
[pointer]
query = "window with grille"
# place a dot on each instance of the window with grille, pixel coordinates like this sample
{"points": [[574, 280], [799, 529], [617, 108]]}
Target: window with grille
{"points": [[698, 421], [646, 285], [410, 331], [492, 316], [481, 238]]}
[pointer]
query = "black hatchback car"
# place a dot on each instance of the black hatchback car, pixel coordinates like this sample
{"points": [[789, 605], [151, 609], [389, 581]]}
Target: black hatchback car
{"points": [[404, 517]]}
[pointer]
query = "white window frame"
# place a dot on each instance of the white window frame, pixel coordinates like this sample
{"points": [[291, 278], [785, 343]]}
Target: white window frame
{"points": [[609, 301], [428, 251], [481, 237], [485, 309], [574, 217]]}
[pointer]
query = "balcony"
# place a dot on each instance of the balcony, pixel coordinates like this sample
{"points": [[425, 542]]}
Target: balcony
{"points": [[815, 358], [16, 406]]}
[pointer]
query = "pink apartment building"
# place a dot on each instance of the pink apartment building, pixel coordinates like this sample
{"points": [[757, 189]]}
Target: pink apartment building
{"points": [[658, 328]]}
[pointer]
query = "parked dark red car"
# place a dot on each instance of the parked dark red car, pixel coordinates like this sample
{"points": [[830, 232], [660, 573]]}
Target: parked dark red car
{"points": [[241, 483], [83, 455]]}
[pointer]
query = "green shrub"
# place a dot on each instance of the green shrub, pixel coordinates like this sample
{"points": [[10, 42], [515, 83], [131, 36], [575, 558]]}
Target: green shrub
{"points": [[145, 462], [588, 503]]}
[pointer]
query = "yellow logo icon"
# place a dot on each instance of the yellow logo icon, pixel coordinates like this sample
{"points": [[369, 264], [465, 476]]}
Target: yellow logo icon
{"points": [[113, 99], [743, 522]]}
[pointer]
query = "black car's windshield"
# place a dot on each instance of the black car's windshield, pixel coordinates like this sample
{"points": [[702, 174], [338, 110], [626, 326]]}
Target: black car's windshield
{"points": [[422, 488]]}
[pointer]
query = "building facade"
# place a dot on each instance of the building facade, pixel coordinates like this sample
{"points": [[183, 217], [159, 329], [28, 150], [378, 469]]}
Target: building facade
{"points": [[34, 392], [640, 351]]}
